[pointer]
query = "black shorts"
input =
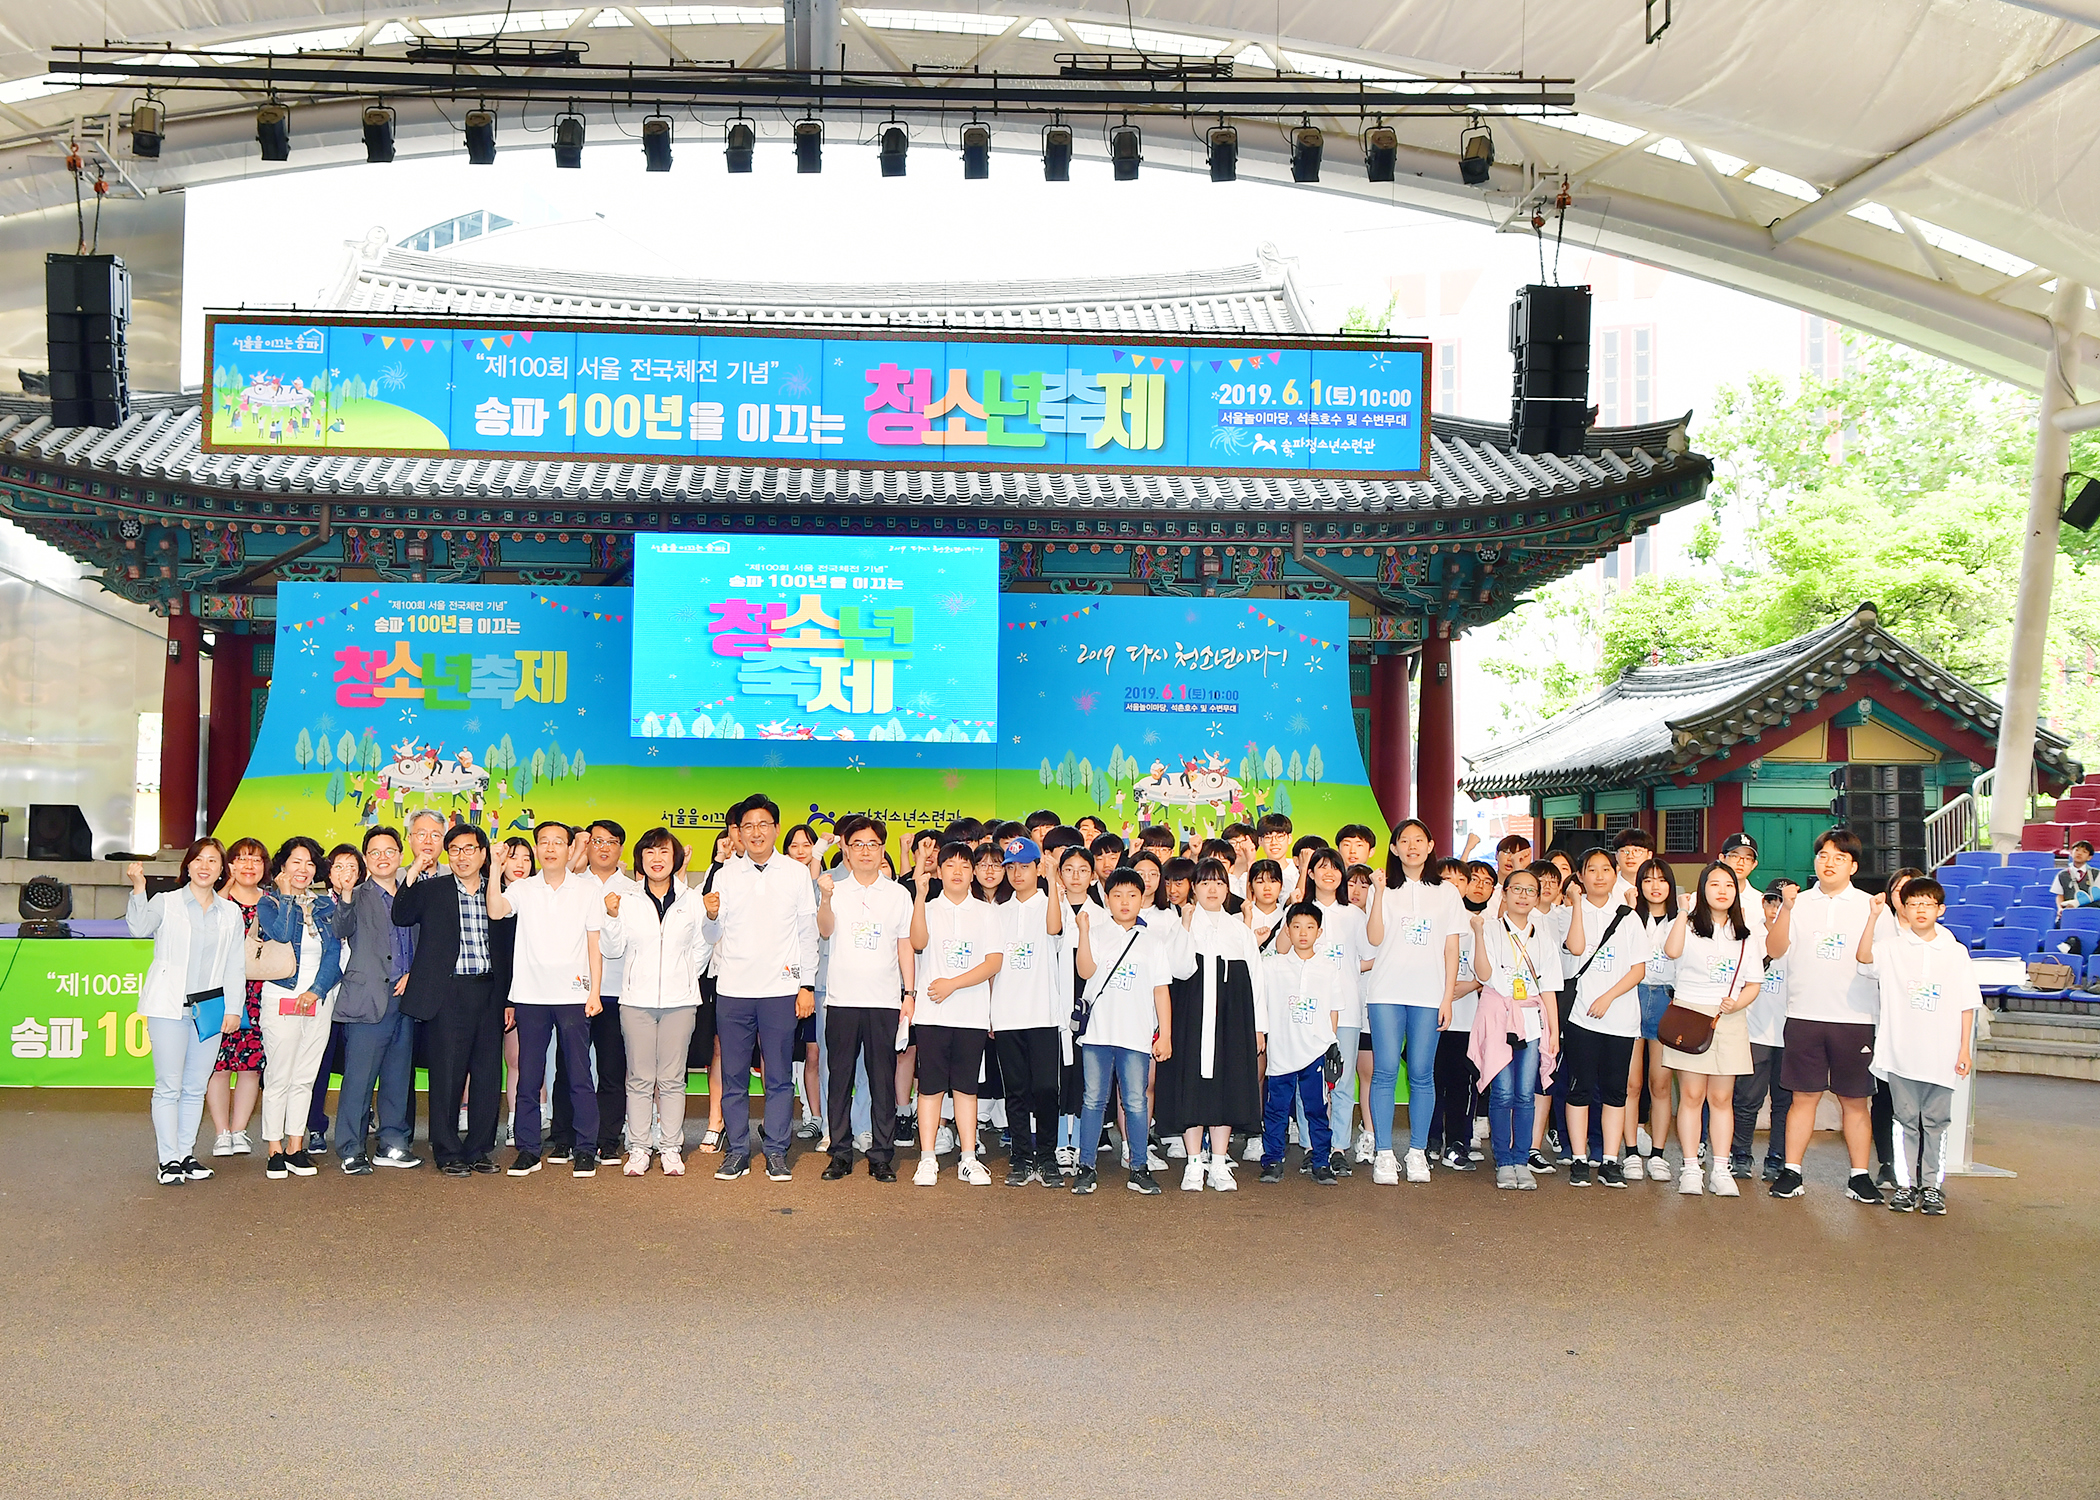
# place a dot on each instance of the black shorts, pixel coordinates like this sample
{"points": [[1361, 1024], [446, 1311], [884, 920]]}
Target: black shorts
{"points": [[700, 1051], [806, 1031], [1597, 1065], [950, 1058], [1829, 1057]]}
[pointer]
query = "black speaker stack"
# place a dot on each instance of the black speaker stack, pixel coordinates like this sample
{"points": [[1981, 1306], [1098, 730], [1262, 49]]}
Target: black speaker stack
{"points": [[1549, 340], [1885, 806], [87, 304]]}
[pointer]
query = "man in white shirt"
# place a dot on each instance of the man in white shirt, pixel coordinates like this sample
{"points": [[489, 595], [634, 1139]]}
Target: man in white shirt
{"points": [[762, 920], [555, 971], [594, 857], [867, 917], [1831, 1007]]}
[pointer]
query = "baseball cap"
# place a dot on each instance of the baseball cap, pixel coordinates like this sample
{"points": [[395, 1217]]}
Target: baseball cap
{"points": [[1021, 851], [1736, 841]]}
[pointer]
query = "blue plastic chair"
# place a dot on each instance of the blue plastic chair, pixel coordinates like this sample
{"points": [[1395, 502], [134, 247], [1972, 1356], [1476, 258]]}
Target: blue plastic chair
{"points": [[2080, 918], [2027, 919], [1957, 875], [2036, 895], [2012, 875], [1977, 859], [2031, 859], [1992, 898]]}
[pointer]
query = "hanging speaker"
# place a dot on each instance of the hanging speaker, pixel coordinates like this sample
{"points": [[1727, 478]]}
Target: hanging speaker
{"points": [[2081, 501]]}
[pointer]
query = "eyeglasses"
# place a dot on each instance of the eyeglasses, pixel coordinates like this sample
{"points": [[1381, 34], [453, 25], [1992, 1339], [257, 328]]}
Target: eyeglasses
{"points": [[757, 825], [863, 844]]}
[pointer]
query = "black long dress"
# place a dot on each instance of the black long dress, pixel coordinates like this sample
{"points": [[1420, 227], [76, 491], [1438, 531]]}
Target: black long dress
{"points": [[1226, 1087]]}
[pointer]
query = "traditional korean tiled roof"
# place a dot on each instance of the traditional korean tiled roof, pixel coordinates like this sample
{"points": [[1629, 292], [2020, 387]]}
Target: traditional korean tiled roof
{"points": [[1658, 722]]}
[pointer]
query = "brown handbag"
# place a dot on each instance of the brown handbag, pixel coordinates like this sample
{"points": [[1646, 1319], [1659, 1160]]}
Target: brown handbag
{"points": [[1689, 1031]]}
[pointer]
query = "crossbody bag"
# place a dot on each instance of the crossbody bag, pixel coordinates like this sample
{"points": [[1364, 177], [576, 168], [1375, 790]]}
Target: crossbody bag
{"points": [[1082, 1006], [1689, 1031]]}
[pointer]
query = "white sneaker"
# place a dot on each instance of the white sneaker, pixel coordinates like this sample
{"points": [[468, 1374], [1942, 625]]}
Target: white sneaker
{"points": [[929, 1171], [223, 1144], [1366, 1147], [1253, 1151], [240, 1144], [1721, 1184], [1690, 1179], [972, 1171], [1385, 1168], [1176, 1149], [1219, 1176], [1658, 1168], [670, 1163], [509, 1134], [1525, 1179], [637, 1162], [1154, 1162], [1067, 1161], [1642, 1145], [1192, 1176], [1505, 1177], [1631, 1167], [944, 1140], [1417, 1166], [862, 1140]]}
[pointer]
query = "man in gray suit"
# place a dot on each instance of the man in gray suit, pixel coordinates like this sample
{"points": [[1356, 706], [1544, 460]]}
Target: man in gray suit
{"points": [[378, 1040]]}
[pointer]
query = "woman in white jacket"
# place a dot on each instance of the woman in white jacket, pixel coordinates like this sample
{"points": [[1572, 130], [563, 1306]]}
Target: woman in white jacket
{"points": [[659, 937], [199, 970]]}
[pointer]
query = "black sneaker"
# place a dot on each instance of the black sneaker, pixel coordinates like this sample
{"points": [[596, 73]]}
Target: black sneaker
{"points": [[585, 1165], [559, 1155], [1903, 1200], [1612, 1174], [484, 1166], [1324, 1176], [735, 1165], [397, 1156], [1741, 1169], [1558, 1147], [274, 1169], [455, 1169], [194, 1170], [301, 1163], [1087, 1180], [837, 1169], [170, 1174], [1049, 1172], [883, 1171], [357, 1166], [1338, 1164], [1787, 1184], [1578, 1174], [1141, 1182], [1772, 1170], [1017, 1173], [525, 1164], [1932, 1201], [1541, 1163], [777, 1169], [1885, 1176], [1271, 1171], [1860, 1189], [1459, 1161]]}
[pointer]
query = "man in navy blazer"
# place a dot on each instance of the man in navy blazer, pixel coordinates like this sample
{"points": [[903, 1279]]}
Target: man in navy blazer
{"points": [[379, 1039]]}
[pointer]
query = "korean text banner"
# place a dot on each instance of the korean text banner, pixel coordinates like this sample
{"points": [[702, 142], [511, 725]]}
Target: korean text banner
{"points": [[817, 644], [1355, 409]]}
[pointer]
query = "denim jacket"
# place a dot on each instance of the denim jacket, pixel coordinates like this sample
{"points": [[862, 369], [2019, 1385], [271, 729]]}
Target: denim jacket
{"points": [[277, 918]]}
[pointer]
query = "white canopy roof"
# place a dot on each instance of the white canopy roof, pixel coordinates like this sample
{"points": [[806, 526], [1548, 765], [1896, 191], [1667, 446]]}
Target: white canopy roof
{"points": [[1923, 169]]}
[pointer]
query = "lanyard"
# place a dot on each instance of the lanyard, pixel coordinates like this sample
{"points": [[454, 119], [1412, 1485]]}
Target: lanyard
{"points": [[1523, 955]]}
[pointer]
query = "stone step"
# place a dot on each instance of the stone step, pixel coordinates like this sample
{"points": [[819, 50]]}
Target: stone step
{"points": [[2073, 1052]]}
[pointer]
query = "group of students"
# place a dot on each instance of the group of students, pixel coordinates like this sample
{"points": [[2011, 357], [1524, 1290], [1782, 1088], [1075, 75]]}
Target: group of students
{"points": [[1041, 981]]}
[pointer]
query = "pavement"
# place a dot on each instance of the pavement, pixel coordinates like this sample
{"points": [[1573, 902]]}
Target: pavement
{"points": [[406, 1334]]}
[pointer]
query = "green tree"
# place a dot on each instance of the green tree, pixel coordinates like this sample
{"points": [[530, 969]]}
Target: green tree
{"points": [[368, 751], [337, 789], [1272, 764], [1282, 802], [1314, 767], [1296, 770], [524, 779], [539, 766], [576, 766], [1045, 775], [324, 757], [1104, 789], [346, 751], [303, 750], [561, 767], [1083, 778]]}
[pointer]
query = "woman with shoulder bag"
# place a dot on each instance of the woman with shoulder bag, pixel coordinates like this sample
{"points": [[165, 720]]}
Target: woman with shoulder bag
{"points": [[241, 1048], [297, 1010], [1706, 1032], [198, 967]]}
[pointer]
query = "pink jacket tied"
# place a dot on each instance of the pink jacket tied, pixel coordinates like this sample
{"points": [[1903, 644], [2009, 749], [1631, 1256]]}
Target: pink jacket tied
{"points": [[1488, 1047]]}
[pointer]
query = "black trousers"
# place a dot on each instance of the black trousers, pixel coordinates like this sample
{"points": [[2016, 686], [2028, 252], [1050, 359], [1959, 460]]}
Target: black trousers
{"points": [[1457, 1094], [609, 1044], [331, 1064], [853, 1032], [1029, 1071], [465, 1040], [1882, 1116]]}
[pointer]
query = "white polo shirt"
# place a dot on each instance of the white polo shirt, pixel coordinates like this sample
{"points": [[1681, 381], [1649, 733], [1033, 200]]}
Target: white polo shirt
{"points": [[1344, 945], [765, 938], [551, 961], [867, 922], [1025, 990], [960, 935], [1125, 975], [1824, 981], [1299, 1000], [1408, 967], [1603, 963], [1925, 990]]}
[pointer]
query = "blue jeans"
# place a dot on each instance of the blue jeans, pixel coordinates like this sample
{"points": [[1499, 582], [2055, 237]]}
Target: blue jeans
{"points": [[1303, 1090], [1414, 1029], [1655, 999], [1126, 1067], [571, 1028], [182, 1064], [1510, 1106], [382, 1052], [1341, 1099], [766, 1025]]}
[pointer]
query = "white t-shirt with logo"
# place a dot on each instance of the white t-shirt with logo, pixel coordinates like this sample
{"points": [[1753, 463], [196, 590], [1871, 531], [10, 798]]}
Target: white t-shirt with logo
{"points": [[1824, 981], [1126, 974], [1025, 991], [960, 935], [551, 960], [1926, 990], [866, 923], [1421, 916], [1344, 944], [1604, 962], [1298, 999], [1707, 969]]}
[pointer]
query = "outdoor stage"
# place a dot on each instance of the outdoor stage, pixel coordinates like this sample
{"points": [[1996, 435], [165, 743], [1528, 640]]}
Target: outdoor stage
{"points": [[405, 1334]]}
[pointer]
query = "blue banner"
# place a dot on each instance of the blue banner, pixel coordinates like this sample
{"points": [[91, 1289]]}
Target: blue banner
{"points": [[891, 398]]}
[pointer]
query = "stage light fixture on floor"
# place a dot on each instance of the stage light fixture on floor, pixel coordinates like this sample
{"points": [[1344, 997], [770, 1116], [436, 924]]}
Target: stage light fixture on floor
{"points": [[1381, 152], [379, 133], [1126, 149], [1057, 153], [1308, 145], [656, 142], [148, 120], [738, 139], [273, 131], [44, 904], [1476, 154], [809, 145], [892, 147], [977, 151], [481, 138], [568, 139], [1222, 151]]}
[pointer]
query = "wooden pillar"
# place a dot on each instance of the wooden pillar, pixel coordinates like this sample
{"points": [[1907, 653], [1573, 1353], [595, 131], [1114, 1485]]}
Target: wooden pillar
{"points": [[179, 732], [1389, 738], [1436, 757], [1725, 817], [226, 753]]}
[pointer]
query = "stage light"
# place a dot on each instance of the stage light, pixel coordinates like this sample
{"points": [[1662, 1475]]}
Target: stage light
{"points": [[1222, 144], [44, 904], [977, 151], [1476, 153], [147, 120], [1381, 151], [1057, 153], [1307, 147], [737, 141], [568, 140], [656, 142], [379, 133], [481, 138], [1126, 148], [895, 142], [273, 131], [809, 145]]}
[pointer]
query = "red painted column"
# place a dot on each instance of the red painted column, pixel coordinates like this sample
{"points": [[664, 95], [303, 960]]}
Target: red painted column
{"points": [[179, 705], [1389, 737], [1436, 757], [226, 753], [1725, 817]]}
